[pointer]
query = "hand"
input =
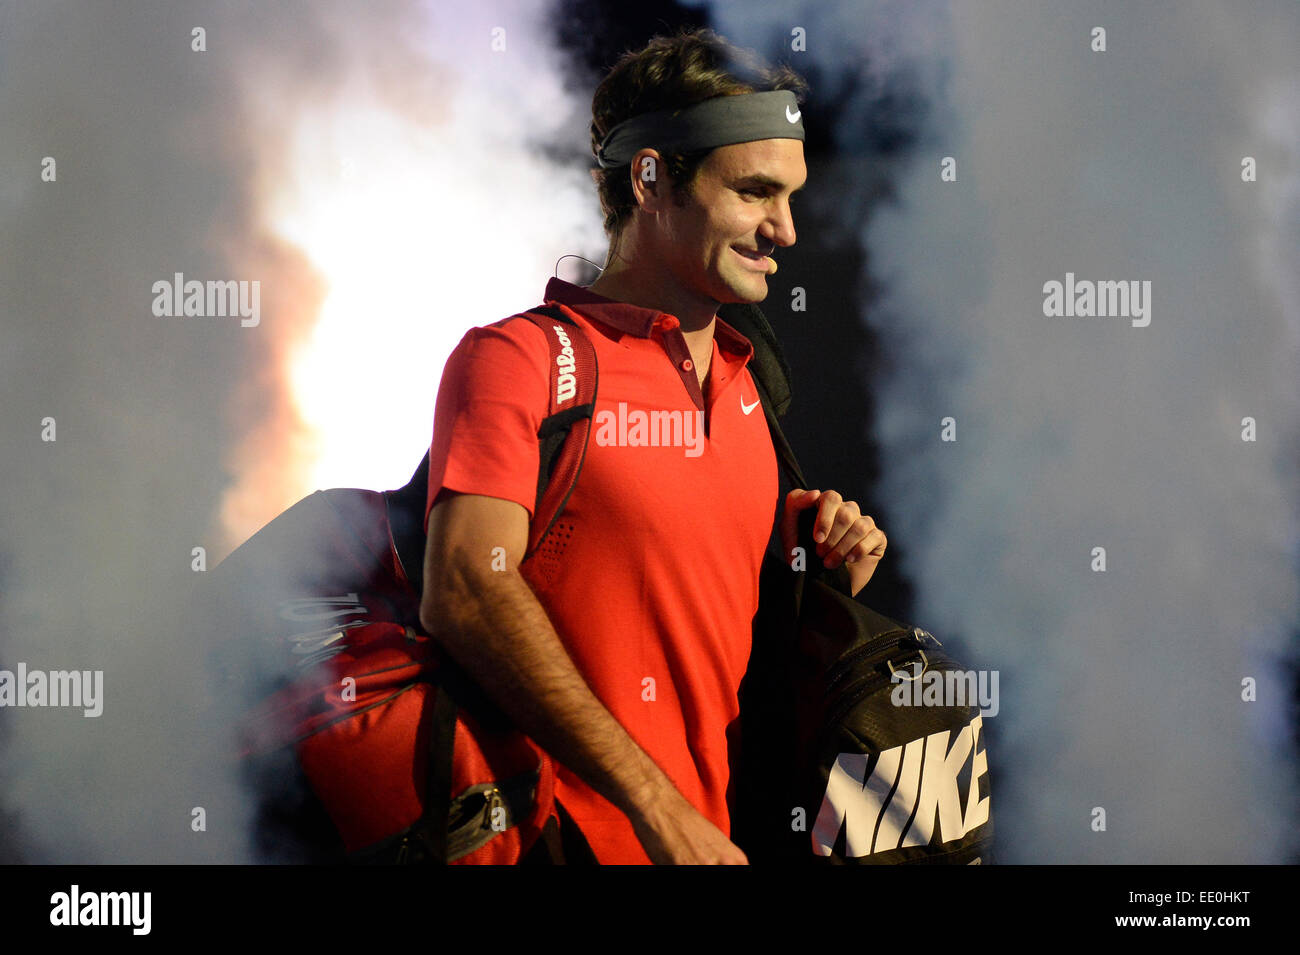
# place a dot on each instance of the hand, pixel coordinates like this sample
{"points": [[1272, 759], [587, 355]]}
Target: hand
{"points": [[843, 534], [673, 832]]}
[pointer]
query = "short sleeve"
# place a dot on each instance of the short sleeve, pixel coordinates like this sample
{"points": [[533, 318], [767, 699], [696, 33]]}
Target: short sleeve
{"points": [[491, 402]]}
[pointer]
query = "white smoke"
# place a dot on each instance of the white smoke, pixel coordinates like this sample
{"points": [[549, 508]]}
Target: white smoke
{"points": [[388, 174], [1120, 690]]}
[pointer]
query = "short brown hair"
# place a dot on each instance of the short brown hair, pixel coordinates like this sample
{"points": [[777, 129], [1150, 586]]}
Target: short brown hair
{"points": [[672, 72]]}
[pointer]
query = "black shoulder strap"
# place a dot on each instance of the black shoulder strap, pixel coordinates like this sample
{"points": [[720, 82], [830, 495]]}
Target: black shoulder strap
{"points": [[406, 522], [768, 364], [771, 375]]}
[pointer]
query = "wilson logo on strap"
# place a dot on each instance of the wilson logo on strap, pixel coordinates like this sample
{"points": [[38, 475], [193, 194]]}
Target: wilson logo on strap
{"points": [[566, 385]]}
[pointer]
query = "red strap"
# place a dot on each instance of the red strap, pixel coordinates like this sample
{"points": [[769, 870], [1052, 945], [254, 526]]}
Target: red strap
{"points": [[571, 404]]}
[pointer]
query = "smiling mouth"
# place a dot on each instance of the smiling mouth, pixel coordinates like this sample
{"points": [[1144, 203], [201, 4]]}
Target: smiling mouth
{"points": [[760, 259]]}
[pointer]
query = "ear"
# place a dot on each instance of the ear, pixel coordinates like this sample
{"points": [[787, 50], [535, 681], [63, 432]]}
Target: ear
{"points": [[649, 179]]}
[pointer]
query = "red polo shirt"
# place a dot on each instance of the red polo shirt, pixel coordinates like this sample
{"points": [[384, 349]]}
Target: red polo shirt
{"points": [[650, 577]]}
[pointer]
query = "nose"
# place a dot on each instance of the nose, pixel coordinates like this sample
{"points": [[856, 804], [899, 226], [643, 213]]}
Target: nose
{"points": [[779, 227]]}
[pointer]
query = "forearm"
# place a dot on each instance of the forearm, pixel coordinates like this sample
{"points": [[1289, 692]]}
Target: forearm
{"points": [[493, 626]]}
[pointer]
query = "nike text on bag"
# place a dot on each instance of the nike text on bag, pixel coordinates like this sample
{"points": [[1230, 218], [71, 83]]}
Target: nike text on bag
{"points": [[366, 743], [884, 783], [828, 769]]}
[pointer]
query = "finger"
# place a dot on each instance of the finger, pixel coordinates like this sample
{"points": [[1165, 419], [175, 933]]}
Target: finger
{"points": [[832, 521], [871, 547], [845, 518], [830, 502], [853, 535], [845, 534], [797, 500]]}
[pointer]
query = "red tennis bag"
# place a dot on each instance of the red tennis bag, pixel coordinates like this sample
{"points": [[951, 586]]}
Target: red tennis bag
{"points": [[388, 735], [366, 742]]}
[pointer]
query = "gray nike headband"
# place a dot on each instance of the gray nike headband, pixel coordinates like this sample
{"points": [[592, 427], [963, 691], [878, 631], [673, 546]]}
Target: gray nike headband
{"points": [[721, 121]]}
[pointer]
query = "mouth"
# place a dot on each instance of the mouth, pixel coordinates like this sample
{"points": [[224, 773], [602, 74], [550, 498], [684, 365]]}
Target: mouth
{"points": [[758, 261]]}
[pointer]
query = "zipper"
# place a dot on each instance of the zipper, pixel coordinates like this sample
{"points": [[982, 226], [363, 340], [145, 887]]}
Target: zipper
{"points": [[881, 646], [840, 668], [858, 690], [851, 699], [856, 693], [470, 821], [494, 800]]}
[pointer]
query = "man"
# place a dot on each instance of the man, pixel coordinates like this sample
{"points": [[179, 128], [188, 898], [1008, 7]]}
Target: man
{"points": [[620, 650]]}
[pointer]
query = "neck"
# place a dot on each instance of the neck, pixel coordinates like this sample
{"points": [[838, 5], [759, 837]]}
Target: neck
{"points": [[626, 281]]}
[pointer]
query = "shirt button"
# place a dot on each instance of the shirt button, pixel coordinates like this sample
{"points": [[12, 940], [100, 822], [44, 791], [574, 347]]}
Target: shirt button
{"points": [[687, 365]]}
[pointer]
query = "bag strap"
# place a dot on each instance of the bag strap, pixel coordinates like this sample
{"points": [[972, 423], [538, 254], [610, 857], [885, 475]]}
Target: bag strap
{"points": [[768, 365], [562, 437], [784, 453], [565, 430], [437, 797], [771, 375], [559, 458]]}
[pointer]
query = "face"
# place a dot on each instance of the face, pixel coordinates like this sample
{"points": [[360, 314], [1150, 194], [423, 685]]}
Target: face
{"points": [[715, 239]]}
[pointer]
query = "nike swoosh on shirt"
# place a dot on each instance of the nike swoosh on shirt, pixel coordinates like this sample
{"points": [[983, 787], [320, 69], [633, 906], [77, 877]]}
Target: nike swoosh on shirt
{"points": [[747, 408], [795, 117]]}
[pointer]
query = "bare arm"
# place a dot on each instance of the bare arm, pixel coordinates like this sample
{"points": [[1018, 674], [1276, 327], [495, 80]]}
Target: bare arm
{"points": [[491, 623]]}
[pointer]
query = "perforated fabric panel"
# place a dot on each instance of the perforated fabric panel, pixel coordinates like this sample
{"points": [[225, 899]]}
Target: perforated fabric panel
{"points": [[551, 551]]}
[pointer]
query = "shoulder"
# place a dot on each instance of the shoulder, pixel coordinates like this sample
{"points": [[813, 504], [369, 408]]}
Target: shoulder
{"points": [[512, 347], [515, 333]]}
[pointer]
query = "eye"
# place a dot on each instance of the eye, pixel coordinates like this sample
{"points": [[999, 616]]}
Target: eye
{"points": [[753, 191]]}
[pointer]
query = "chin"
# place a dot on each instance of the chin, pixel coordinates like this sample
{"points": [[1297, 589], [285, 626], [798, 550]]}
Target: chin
{"points": [[751, 298], [740, 291]]}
